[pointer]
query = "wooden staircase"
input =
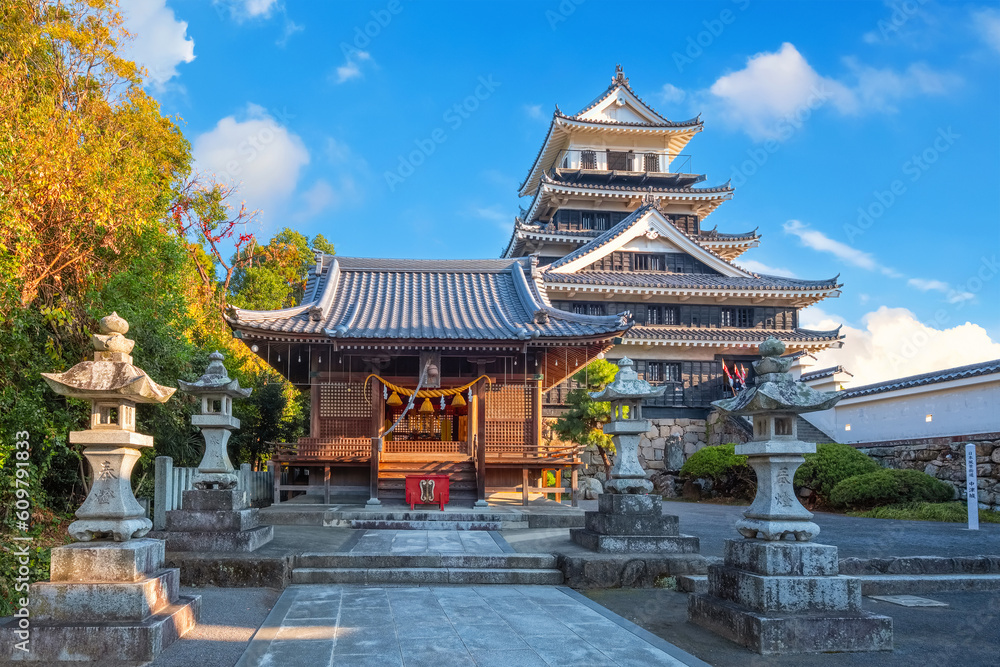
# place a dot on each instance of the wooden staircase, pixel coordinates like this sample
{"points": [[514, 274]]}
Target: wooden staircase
{"points": [[460, 468]]}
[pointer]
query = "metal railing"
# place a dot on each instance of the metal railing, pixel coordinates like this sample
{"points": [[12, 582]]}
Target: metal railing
{"points": [[624, 160]]}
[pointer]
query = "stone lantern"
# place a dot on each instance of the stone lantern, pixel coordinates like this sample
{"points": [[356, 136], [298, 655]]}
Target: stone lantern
{"points": [[109, 598], [629, 519], [626, 394], [772, 594], [111, 445], [215, 515], [216, 422]]}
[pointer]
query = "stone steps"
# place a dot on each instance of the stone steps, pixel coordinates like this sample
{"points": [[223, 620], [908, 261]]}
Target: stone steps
{"points": [[912, 584], [389, 524], [422, 569], [426, 575], [350, 560]]}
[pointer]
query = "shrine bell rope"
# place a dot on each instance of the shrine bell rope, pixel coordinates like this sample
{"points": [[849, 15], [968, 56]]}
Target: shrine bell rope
{"points": [[427, 393]]}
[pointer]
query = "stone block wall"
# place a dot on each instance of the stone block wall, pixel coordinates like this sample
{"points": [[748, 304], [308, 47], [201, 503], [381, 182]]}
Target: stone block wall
{"points": [[944, 458]]}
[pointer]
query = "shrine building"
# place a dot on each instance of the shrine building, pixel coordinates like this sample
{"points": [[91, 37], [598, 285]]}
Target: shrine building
{"points": [[612, 256]]}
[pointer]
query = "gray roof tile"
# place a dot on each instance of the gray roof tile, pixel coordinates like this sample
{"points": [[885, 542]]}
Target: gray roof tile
{"points": [[653, 333], [489, 299], [957, 373], [686, 280]]}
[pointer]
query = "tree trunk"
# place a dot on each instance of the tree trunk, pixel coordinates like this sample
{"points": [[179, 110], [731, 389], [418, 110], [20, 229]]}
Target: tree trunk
{"points": [[607, 460]]}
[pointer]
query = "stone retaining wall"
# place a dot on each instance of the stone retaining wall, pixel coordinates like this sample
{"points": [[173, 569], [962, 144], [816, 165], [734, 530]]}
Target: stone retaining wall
{"points": [[944, 458]]}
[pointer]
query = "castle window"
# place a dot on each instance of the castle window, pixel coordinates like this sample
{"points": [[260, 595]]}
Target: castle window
{"points": [[651, 162], [588, 160], [662, 371], [647, 262], [620, 160], [601, 221], [662, 315], [737, 317]]}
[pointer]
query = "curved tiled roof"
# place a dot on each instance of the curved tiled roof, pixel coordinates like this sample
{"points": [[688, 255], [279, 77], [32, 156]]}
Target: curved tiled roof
{"points": [[654, 333], [715, 235], [957, 373], [690, 122], [822, 373], [362, 298], [550, 178], [689, 280], [604, 238]]}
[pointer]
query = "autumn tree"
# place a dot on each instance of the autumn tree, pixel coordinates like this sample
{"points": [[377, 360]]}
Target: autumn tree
{"points": [[584, 420], [276, 275]]}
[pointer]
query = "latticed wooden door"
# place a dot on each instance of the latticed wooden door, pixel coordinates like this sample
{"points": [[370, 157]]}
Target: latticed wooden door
{"points": [[344, 409], [508, 417]]}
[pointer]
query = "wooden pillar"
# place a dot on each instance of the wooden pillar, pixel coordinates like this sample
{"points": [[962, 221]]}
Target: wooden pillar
{"points": [[536, 415], [573, 479], [481, 440], [378, 408], [524, 486], [559, 485], [314, 427]]}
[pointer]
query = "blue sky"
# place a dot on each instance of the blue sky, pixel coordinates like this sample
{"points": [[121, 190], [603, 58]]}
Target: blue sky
{"points": [[863, 138]]}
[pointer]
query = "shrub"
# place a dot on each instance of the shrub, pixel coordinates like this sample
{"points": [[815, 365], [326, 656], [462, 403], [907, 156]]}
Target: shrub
{"points": [[888, 487], [951, 512], [830, 465], [729, 472]]}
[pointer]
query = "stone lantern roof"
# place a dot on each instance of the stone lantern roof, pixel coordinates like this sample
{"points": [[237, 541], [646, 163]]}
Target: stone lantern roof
{"points": [[216, 381], [775, 389], [627, 385], [111, 375]]}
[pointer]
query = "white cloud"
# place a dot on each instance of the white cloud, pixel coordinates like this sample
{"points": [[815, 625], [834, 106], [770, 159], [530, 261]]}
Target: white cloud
{"points": [[256, 153], [250, 9], [760, 267], [671, 94], [495, 214], [159, 41], [773, 87], [987, 22], [894, 343], [533, 110], [925, 285], [351, 69], [291, 27], [776, 91], [819, 241], [955, 296]]}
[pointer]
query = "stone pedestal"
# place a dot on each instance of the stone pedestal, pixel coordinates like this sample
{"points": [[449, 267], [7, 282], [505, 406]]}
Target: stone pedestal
{"points": [[787, 597], [630, 522], [214, 520], [109, 603]]}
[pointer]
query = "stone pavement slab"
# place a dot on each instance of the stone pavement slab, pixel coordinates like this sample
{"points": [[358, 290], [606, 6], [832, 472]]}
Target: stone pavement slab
{"points": [[512, 626], [421, 542]]}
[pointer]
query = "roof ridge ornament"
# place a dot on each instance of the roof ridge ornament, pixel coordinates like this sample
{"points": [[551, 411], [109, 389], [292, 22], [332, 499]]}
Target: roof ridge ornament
{"points": [[619, 77]]}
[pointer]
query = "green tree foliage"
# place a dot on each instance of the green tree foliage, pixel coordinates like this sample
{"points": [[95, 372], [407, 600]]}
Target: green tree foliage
{"points": [[728, 471], [831, 464], [890, 487], [99, 214], [584, 420], [276, 275]]}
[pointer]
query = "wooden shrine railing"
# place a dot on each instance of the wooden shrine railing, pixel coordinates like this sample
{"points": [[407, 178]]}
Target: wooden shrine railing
{"points": [[425, 447], [323, 449]]}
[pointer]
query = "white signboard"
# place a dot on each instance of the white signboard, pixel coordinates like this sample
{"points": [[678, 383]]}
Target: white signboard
{"points": [[972, 486]]}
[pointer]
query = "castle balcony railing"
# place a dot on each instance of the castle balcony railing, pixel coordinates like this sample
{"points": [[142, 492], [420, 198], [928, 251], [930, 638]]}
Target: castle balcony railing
{"points": [[638, 161]]}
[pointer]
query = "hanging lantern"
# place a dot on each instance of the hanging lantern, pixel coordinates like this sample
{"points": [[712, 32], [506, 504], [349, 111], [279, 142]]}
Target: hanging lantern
{"points": [[394, 400], [427, 406], [458, 401]]}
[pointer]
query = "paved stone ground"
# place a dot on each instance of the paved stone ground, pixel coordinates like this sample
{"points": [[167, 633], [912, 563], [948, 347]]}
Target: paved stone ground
{"points": [[420, 542], [229, 619], [502, 626], [966, 633], [854, 537]]}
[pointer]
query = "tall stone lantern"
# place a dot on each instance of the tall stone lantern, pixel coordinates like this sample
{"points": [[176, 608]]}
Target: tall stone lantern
{"points": [[216, 422], [773, 594], [111, 445], [109, 598], [629, 518]]}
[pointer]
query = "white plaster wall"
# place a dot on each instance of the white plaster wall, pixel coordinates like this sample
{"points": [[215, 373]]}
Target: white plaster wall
{"points": [[959, 407]]}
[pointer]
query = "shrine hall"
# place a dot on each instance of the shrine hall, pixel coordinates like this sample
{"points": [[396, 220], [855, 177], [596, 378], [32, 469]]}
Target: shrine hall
{"points": [[421, 367]]}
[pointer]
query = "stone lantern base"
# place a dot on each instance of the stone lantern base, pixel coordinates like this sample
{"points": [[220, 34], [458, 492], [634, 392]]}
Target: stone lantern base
{"points": [[631, 522], [787, 597], [109, 603], [214, 520]]}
